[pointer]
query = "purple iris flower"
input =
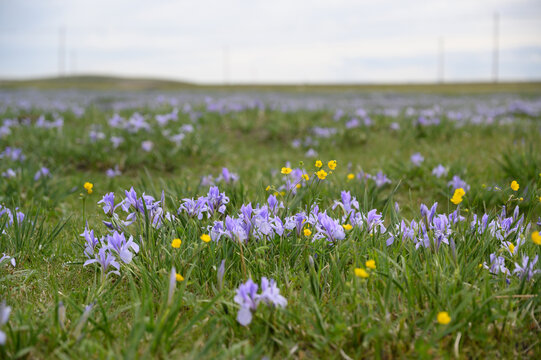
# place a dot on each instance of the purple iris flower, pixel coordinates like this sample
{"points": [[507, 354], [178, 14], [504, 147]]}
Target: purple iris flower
{"points": [[91, 242], [4, 317], [216, 201], [349, 203], [43, 172], [9, 173], [329, 228], [106, 260], [526, 269], [111, 173], [480, 225], [439, 171], [311, 153], [497, 265], [442, 230], [194, 208], [457, 183], [220, 274], [374, 220], [147, 145], [14, 154], [270, 294], [381, 179], [108, 202], [417, 159], [227, 177], [248, 300], [117, 243], [235, 230], [8, 258], [429, 215]]}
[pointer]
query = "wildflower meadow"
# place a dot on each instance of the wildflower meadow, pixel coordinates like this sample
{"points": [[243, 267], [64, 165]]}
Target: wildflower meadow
{"points": [[270, 224]]}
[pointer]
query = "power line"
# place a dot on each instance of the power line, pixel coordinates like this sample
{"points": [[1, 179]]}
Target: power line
{"points": [[61, 51], [496, 48]]}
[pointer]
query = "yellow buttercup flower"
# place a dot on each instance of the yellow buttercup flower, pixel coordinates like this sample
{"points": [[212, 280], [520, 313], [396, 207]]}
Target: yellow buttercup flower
{"points": [[321, 174], [205, 238], [371, 264], [347, 227], [351, 176], [332, 164], [306, 177], [176, 243], [362, 273], [536, 237], [457, 196], [444, 318], [179, 277], [514, 185], [267, 188], [286, 170], [88, 187], [298, 186], [512, 248], [319, 163], [307, 232]]}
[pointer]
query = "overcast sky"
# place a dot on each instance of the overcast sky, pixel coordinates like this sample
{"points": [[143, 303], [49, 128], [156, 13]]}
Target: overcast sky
{"points": [[271, 41]]}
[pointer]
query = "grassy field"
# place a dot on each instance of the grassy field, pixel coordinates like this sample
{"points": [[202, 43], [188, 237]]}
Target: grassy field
{"points": [[101, 83], [363, 268]]}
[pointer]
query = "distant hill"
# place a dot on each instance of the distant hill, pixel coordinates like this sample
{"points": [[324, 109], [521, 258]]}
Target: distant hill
{"points": [[96, 82], [93, 82]]}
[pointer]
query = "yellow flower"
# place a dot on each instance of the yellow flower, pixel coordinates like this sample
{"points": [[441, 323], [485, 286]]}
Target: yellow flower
{"points": [[332, 164], [319, 163], [307, 232], [351, 176], [282, 193], [540, 199], [514, 185], [521, 198], [88, 187], [176, 243], [371, 264], [205, 238], [321, 174], [298, 186], [444, 318], [456, 199], [286, 170], [305, 177], [536, 238], [457, 196], [267, 188], [480, 266], [512, 248], [362, 273], [179, 277], [347, 227]]}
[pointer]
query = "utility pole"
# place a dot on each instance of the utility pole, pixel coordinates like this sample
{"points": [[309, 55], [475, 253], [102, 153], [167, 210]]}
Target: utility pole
{"points": [[496, 48], [73, 62], [225, 65], [61, 51], [441, 59]]}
